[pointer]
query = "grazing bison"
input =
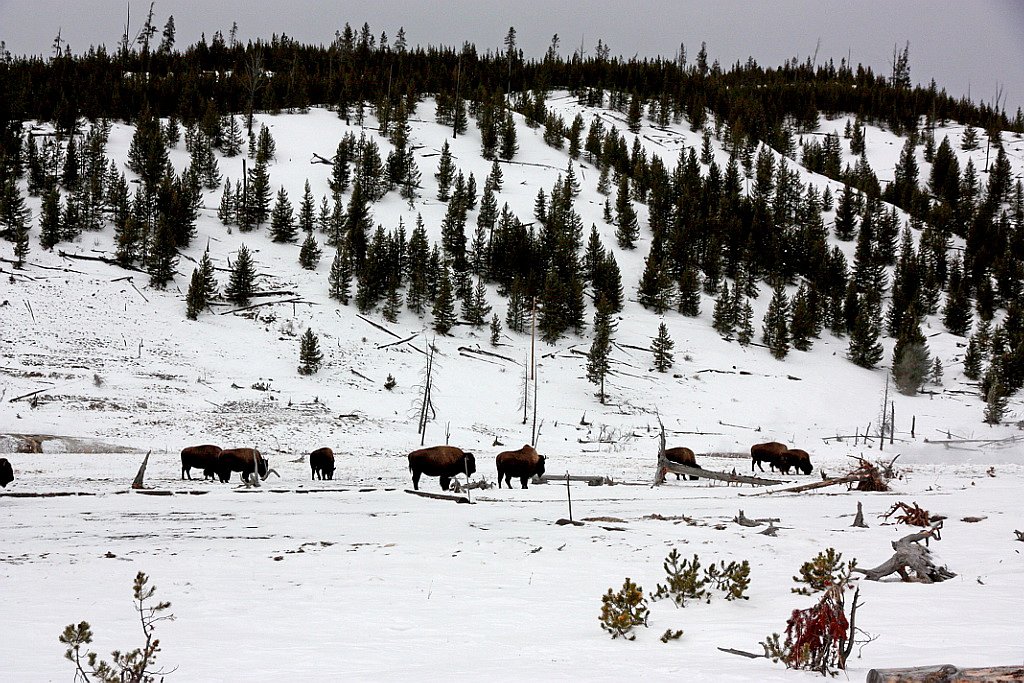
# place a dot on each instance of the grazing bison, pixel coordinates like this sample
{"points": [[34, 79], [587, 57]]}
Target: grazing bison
{"points": [[524, 463], [794, 458], [683, 456], [440, 461], [321, 462], [244, 460], [6, 472], [765, 453], [202, 458]]}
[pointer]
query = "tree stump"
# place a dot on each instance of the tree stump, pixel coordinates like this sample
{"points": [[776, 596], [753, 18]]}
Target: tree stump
{"points": [[913, 557]]}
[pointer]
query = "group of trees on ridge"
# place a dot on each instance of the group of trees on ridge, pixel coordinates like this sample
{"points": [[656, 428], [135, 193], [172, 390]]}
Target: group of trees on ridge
{"points": [[707, 232]]}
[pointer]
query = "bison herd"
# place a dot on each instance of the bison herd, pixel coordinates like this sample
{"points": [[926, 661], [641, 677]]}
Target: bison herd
{"points": [[214, 460], [779, 457]]}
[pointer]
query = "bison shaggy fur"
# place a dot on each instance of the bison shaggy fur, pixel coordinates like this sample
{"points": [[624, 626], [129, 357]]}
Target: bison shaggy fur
{"points": [[244, 460], [202, 458], [683, 456], [440, 461], [321, 462], [794, 458], [6, 472], [523, 463], [766, 453]]}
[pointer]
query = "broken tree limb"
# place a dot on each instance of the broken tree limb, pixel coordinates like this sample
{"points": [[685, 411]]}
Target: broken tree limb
{"points": [[400, 341], [33, 393], [947, 673], [676, 468], [379, 327], [359, 374], [265, 303], [101, 259], [849, 479], [317, 159], [1020, 535], [741, 653], [488, 353], [911, 556]]}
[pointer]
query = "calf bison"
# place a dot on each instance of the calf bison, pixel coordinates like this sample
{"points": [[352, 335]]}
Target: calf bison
{"points": [[6, 472], [244, 460], [523, 463], [202, 458], [683, 456], [794, 458], [766, 453], [321, 463], [440, 461]]}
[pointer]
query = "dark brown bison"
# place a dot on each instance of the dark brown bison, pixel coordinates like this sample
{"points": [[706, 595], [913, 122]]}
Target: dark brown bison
{"points": [[202, 458], [794, 458], [321, 462], [523, 463], [248, 461], [6, 472], [765, 453], [440, 461], [683, 456]]}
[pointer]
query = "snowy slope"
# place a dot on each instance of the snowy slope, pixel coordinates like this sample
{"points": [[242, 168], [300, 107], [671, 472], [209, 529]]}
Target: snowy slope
{"points": [[438, 589]]}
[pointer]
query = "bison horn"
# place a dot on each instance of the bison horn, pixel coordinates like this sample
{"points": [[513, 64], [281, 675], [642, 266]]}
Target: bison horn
{"points": [[268, 474]]}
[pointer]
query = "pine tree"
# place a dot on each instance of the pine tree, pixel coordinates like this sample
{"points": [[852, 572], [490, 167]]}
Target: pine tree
{"points": [[846, 222], [803, 327], [515, 316], [194, 300], [724, 316], [935, 375], [745, 324], [509, 145], [655, 290], [689, 291], [341, 172], [310, 357], [995, 404], [445, 173], [444, 304], [340, 279], [970, 138], [775, 332], [494, 180], [627, 229], [231, 137], [972, 360], [282, 219], [226, 208], [661, 347], [266, 148], [864, 348], [50, 219], [495, 330], [307, 210], [598, 359], [603, 181], [163, 254], [392, 304], [309, 254], [258, 196], [241, 282], [478, 309]]}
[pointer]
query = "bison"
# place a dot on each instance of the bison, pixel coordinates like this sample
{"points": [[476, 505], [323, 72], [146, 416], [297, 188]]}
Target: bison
{"points": [[794, 458], [202, 458], [523, 463], [6, 472], [440, 461], [766, 453], [245, 460], [683, 456], [321, 463]]}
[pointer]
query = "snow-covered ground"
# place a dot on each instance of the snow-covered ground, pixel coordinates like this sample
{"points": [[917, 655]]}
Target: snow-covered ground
{"points": [[390, 585]]}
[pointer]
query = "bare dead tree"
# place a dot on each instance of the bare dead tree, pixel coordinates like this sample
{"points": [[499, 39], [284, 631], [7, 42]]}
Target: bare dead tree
{"points": [[252, 80]]}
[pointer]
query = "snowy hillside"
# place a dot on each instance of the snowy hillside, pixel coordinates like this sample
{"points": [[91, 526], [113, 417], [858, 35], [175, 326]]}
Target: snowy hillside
{"points": [[399, 587]]}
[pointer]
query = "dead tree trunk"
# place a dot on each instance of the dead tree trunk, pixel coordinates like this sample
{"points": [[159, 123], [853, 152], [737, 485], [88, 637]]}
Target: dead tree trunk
{"points": [[911, 556], [946, 673]]}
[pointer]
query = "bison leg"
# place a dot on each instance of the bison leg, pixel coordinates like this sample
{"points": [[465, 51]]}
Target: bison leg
{"points": [[524, 480], [416, 480], [444, 482], [185, 471]]}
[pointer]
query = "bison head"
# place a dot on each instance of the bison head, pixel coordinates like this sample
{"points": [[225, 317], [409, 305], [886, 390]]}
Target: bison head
{"points": [[540, 466], [470, 463]]}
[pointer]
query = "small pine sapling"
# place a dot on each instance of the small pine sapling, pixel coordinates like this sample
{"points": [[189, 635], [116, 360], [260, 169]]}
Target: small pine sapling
{"points": [[684, 581], [390, 382], [136, 666], [623, 611], [495, 330], [310, 357], [825, 570], [671, 635], [733, 579]]}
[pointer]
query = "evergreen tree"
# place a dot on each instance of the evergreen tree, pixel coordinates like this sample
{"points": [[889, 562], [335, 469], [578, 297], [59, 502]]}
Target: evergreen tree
{"points": [[496, 177], [803, 327], [775, 332], [970, 138], [309, 254], [745, 324], [864, 348], [444, 304], [257, 205], [208, 278], [282, 219], [995, 404], [310, 357], [445, 173], [241, 282], [956, 315], [358, 222], [231, 137], [392, 304], [49, 222], [307, 210], [655, 290], [226, 208], [608, 283], [478, 309], [340, 279], [724, 316], [341, 172], [598, 359], [846, 214], [163, 254], [266, 148], [935, 375], [194, 299], [972, 360], [661, 347], [627, 228], [509, 145], [689, 291], [495, 330], [516, 315]]}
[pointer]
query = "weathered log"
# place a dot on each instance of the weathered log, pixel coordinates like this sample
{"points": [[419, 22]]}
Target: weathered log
{"points": [[379, 327], [910, 555], [849, 479], [488, 353], [591, 480], [438, 496], [947, 673], [32, 393], [265, 303], [743, 520], [676, 468], [101, 259], [400, 341]]}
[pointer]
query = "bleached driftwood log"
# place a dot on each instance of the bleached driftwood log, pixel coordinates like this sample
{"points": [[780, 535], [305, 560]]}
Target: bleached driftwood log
{"points": [[947, 673], [911, 556]]}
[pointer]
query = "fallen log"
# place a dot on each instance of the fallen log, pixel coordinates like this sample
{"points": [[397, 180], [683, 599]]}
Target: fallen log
{"points": [[488, 353], [400, 341], [849, 479], [379, 327], [265, 303], [101, 259], [743, 520], [946, 673], [33, 393], [591, 480], [676, 468], [438, 496]]}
